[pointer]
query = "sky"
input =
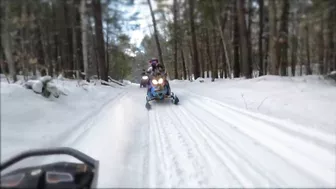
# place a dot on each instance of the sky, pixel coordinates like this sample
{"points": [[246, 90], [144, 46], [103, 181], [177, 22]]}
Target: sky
{"points": [[145, 21]]}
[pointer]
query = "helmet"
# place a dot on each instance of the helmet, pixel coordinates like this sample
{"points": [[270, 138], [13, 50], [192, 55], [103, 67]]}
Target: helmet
{"points": [[154, 61]]}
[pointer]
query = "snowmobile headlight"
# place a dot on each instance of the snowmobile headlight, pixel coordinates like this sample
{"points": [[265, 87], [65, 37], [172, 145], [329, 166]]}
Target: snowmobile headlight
{"points": [[145, 77], [160, 81], [154, 81]]}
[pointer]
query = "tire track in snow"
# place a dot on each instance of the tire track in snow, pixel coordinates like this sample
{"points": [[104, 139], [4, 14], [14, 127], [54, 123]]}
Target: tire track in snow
{"points": [[179, 161], [233, 160], [236, 120], [135, 158], [174, 165], [73, 135], [155, 153], [310, 135], [195, 158], [207, 153], [145, 164], [165, 168], [174, 175], [257, 176], [305, 151], [188, 171], [70, 137]]}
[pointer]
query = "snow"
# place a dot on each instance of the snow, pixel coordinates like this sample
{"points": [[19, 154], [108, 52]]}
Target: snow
{"points": [[264, 132], [30, 121], [308, 99]]}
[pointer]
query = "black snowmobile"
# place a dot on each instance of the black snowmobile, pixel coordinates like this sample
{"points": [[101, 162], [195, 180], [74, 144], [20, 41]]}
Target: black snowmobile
{"points": [[55, 175]]}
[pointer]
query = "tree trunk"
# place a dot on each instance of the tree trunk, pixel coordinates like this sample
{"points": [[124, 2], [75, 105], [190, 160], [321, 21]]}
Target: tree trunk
{"points": [[308, 68], [44, 44], [273, 60], [190, 66], [156, 33], [61, 27], [23, 38], [216, 54], [79, 49], [196, 64], [330, 50], [175, 40], [207, 65], [260, 42], [284, 37], [294, 54], [236, 60], [266, 61], [184, 65], [246, 56], [107, 49], [221, 28], [40, 46], [209, 52], [224, 64], [74, 43], [68, 29], [249, 37], [202, 62], [56, 50], [320, 46], [100, 38], [84, 38], [6, 39], [294, 45]]}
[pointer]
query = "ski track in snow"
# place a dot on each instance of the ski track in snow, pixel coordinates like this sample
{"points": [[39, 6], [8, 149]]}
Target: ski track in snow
{"points": [[201, 143]]}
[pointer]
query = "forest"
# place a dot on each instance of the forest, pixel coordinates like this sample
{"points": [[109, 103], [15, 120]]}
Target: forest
{"points": [[82, 39]]}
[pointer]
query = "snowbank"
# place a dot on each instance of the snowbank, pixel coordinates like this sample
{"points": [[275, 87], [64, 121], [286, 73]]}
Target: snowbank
{"points": [[28, 118], [130, 83], [307, 100]]}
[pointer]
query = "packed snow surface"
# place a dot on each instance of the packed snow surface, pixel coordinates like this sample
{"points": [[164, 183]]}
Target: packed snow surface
{"points": [[264, 132]]}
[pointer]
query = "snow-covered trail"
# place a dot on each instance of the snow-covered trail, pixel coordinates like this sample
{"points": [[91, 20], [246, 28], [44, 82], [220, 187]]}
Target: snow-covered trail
{"points": [[203, 143]]}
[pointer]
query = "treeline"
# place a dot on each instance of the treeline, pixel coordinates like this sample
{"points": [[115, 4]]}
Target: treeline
{"points": [[76, 38], [245, 37]]}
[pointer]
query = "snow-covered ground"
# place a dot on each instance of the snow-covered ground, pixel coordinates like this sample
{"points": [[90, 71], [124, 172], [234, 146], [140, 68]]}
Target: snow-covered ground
{"points": [[264, 132], [29, 120], [308, 100]]}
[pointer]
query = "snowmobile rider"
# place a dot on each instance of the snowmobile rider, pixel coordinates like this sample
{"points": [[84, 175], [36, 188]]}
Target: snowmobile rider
{"points": [[155, 67]]}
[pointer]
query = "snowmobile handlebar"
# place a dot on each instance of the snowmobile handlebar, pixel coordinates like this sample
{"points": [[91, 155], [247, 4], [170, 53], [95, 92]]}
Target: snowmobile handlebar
{"points": [[54, 151], [52, 175]]}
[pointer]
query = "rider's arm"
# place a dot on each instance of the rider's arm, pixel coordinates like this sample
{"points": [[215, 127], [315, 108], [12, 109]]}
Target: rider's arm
{"points": [[149, 70], [161, 68]]}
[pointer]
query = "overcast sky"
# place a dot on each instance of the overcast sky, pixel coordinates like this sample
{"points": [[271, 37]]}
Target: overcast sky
{"points": [[145, 20]]}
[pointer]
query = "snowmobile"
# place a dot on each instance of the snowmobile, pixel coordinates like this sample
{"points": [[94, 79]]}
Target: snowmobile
{"points": [[159, 89], [144, 81], [54, 175]]}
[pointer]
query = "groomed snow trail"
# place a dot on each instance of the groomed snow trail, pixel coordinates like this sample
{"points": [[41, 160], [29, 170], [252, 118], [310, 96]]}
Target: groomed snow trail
{"points": [[203, 143]]}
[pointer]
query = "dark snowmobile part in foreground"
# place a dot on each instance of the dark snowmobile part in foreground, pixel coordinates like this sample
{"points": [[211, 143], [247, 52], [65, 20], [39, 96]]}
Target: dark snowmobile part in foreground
{"points": [[55, 175]]}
